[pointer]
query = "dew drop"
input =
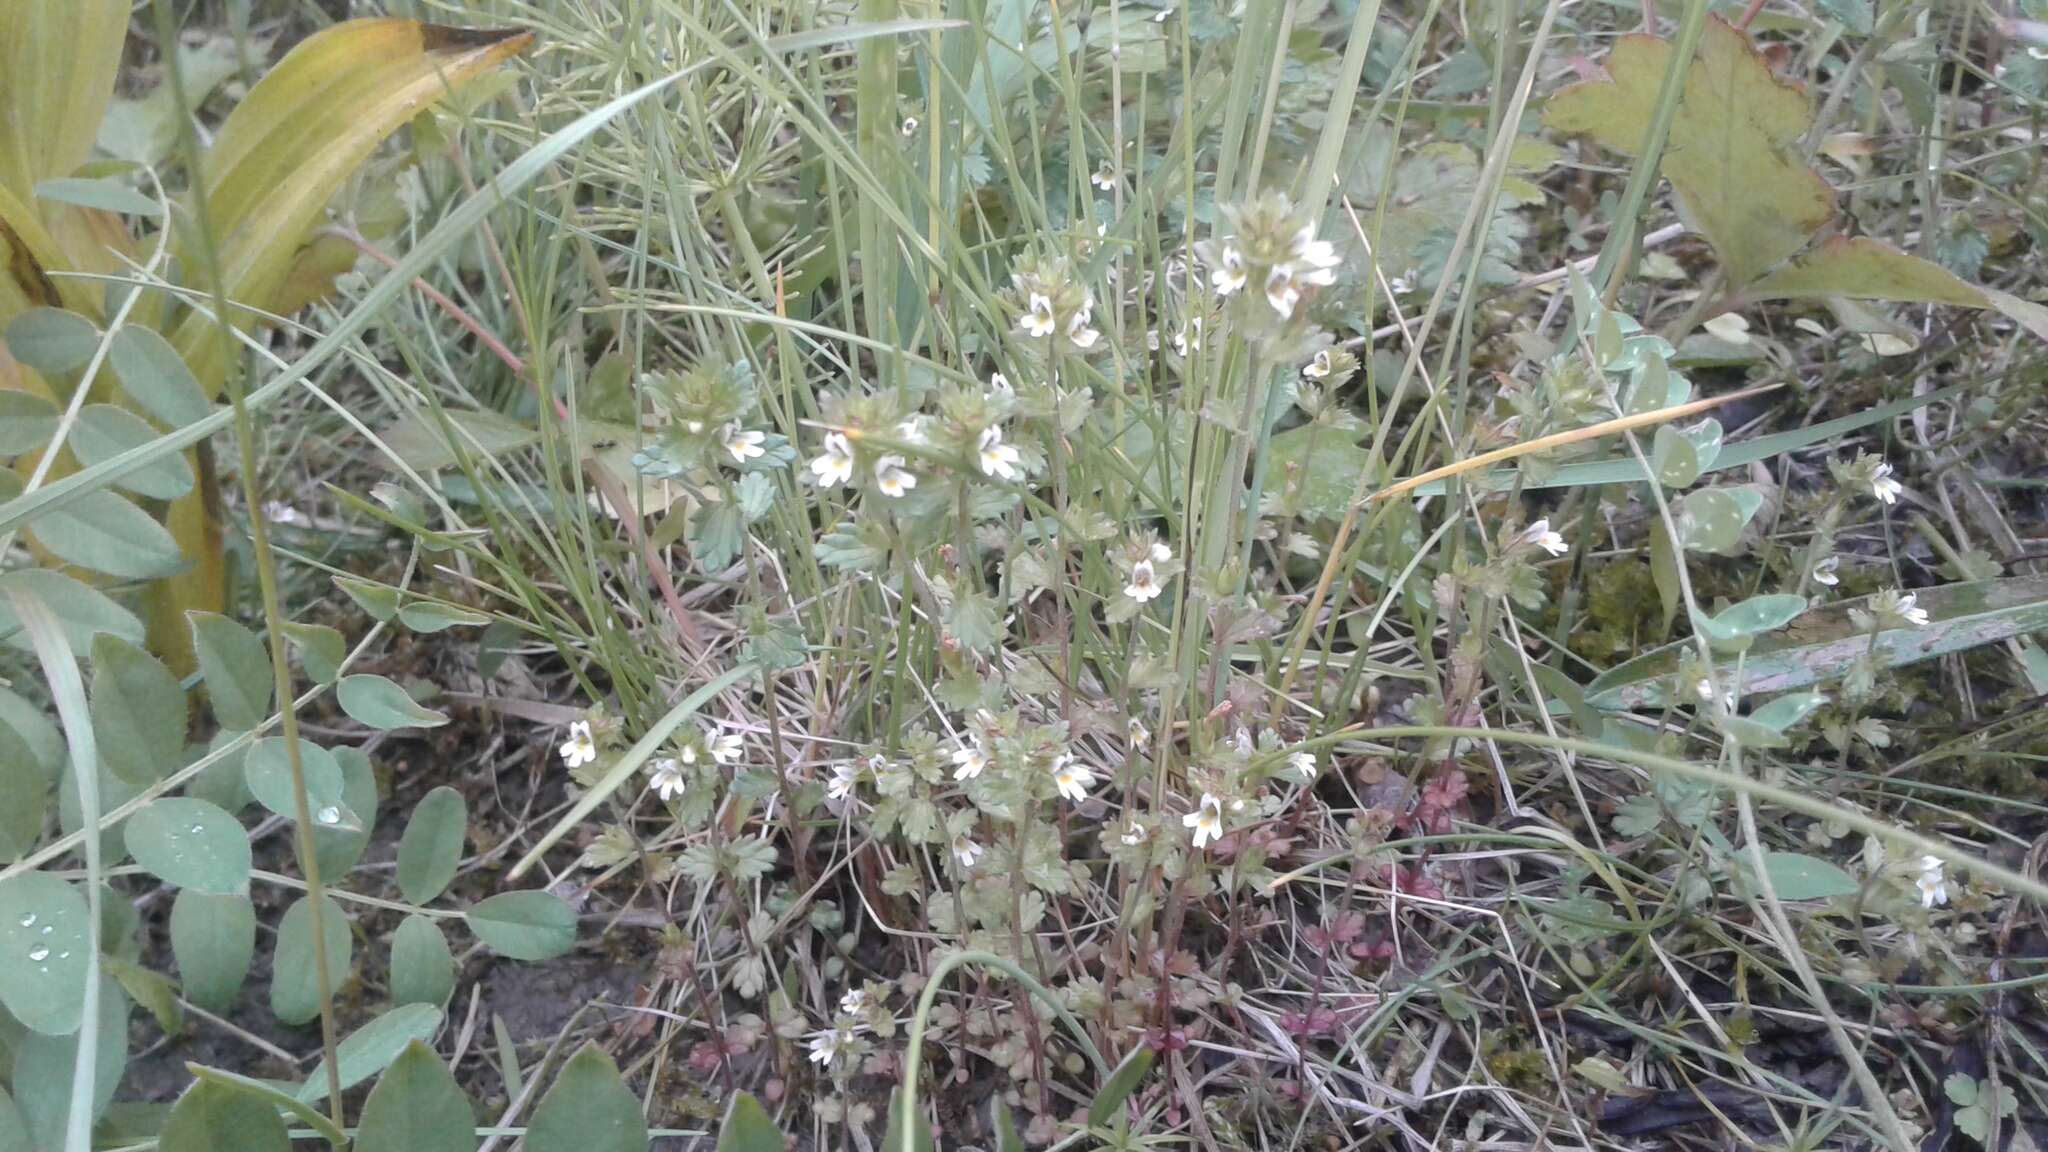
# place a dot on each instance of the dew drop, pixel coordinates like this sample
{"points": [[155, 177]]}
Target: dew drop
{"points": [[329, 815], [28, 921], [38, 954], [197, 828]]}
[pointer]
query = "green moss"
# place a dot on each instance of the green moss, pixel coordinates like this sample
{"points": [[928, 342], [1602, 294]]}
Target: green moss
{"points": [[1623, 612]]}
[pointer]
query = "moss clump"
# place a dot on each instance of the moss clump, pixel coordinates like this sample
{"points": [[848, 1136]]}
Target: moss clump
{"points": [[1624, 614]]}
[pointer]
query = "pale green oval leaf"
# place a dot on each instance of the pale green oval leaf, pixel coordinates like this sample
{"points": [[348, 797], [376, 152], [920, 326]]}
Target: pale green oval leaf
{"points": [[156, 378], [427, 616], [431, 848], [138, 711], [417, 1107], [105, 194], [294, 983], [103, 432], [321, 649], [1710, 520], [82, 612], [1757, 616], [370, 1049], [43, 952], [340, 845], [422, 968], [26, 786], [1797, 877], [102, 532], [378, 702], [747, 1128], [52, 341], [44, 1067], [27, 421], [267, 767], [192, 844], [530, 925], [212, 1117], [236, 668], [213, 940], [587, 1110]]}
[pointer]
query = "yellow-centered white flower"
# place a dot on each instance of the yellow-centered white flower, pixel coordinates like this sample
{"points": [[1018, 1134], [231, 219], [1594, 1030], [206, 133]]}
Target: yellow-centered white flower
{"points": [[834, 466], [892, 477], [997, 458], [966, 851], [666, 779], [1932, 884], [579, 749], [1882, 486], [1206, 820], [743, 443], [1144, 583], [968, 763], [1071, 777], [1038, 321]]}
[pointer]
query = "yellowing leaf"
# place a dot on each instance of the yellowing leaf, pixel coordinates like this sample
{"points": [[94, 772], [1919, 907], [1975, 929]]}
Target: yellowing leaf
{"points": [[1860, 268], [1730, 152], [302, 130], [57, 66]]}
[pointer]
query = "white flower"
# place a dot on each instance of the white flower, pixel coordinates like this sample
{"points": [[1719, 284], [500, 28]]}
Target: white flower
{"points": [[1134, 835], [1071, 777], [892, 478], [912, 428], [1314, 261], [997, 458], [1038, 321], [910, 125], [1229, 274], [1824, 572], [969, 762], [1207, 821], [1189, 338], [1910, 610], [666, 778], [1280, 290], [1304, 765], [966, 851], [999, 384], [279, 512], [1140, 737], [727, 747], [835, 465], [1242, 740], [854, 1001], [1705, 690], [743, 443], [1104, 177], [1078, 332], [579, 749], [825, 1045], [1160, 552], [1144, 584], [1882, 485], [689, 754], [844, 775], [1542, 536], [1933, 886], [1318, 368]]}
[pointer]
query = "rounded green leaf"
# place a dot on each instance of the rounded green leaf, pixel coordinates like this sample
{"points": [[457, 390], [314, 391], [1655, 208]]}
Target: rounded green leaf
{"points": [[531, 925], [340, 846], [747, 1128], [213, 1117], [422, 968], [52, 341], [44, 1066], [43, 952], [104, 432], [1673, 458], [82, 612], [587, 1110], [103, 532], [268, 770], [431, 848], [380, 703], [192, 844], [417, 1107], [1710, 520], [1735, 627], [138, 711], [321, 649], [1797, 877], [236, 668], [294, 982], [427, 616], [156, 377], [27, 790], [27, 421], [370, 1049], [213, 940]]}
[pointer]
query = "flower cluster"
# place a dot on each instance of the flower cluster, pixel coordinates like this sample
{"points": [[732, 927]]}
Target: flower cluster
{"points": [[1051, 304], [1270, 245], [1870, 474]]}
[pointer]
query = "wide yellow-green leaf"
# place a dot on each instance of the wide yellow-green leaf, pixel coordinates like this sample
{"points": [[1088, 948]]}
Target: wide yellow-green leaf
{"points": [[28, 256], [300, 132], [58, 59], [1861, 268], [1730, 154]]}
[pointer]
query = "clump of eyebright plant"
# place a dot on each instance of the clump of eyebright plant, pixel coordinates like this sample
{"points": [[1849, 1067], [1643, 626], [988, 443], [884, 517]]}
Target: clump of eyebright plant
{"points": [[1058, 577]]}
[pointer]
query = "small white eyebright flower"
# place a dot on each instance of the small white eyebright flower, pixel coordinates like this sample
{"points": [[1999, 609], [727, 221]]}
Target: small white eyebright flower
{"points": [[1134, 835], [1825, 571], [826, 1045], [1542, 536], [854, 1002], [834, 466], [1140, 737], [743, 443], [666, 778], [912, 428], [279, 512], [1207, 821], [845, 775], [1933, 886], [1228, 275], [1038, 321], [1318, 368], [579, 749], [910, 125], [999, 384], [997, 458], [1079, 334], [1304, 765], [1144, 584], [1189, 338], [1910, 610], [1071, 777], [1882, 485], [1705, 690], [689, 754], [968, 763], [892, 477], [966, 851], [1160, 552], [727, 747], [1104, 177], [1281, 292]]}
